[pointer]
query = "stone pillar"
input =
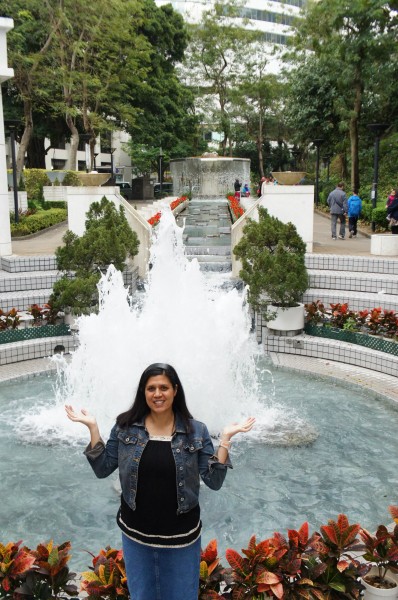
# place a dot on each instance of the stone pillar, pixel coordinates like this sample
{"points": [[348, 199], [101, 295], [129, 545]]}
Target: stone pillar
{"points": [[5, 73]]}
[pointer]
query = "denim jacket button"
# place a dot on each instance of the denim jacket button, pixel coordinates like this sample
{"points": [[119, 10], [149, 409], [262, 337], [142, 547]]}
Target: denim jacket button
{"points": [[178, 450], [192, 448], [181, 468], [127, 439], [180, 484], [182, 499]]}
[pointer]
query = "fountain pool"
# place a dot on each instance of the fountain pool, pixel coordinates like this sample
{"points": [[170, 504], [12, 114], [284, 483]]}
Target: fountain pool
{"points": [[317, 448], [49, 491]]}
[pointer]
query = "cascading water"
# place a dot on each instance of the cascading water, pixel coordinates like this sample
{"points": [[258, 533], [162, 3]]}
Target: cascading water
{"points": [[183, 319]]}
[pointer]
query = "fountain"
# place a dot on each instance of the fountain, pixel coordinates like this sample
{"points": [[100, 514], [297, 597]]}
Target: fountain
{"points": [[283, 473], [208, 175]]}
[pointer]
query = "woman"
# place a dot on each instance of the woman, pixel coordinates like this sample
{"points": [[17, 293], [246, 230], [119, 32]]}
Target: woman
{"points": [[160, 451], [392, 213]]}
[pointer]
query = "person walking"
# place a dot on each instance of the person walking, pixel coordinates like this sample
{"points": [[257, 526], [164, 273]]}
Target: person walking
{"points": [[354, 209], [337, 202], [161, 453], [392, 214]]}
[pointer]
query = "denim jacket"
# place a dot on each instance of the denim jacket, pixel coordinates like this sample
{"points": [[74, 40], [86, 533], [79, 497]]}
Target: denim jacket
{"points": [[193, 455]]}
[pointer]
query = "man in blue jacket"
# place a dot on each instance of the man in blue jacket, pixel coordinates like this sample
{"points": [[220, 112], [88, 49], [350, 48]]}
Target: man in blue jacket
{"points": [[354, 210], [337, 202]]}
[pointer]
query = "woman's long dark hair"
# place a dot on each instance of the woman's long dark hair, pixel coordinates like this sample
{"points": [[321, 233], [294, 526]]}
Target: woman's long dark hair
{"points": [[140, 409]]}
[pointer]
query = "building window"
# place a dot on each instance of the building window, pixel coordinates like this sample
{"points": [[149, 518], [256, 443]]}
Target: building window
{"points": [[265, 15]]}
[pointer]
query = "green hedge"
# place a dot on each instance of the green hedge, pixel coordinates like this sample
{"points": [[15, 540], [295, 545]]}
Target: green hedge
{"points": [[40, 220], [35, 179]]}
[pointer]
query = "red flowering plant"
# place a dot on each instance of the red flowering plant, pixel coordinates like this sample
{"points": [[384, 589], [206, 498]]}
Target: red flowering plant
{"points": [[212, 575], [154, 220], [330, 564], [107, 577], [14, 563], [273, 568], [315, 312], [382, 551], [236, 209]]}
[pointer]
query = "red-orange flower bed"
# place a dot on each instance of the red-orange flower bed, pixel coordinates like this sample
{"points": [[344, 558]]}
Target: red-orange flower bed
{"points": [[153, 221], [235, 207]]}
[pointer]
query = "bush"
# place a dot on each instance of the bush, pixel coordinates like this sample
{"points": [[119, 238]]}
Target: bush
{"points": [[38, 221], [35, 179], [379, 216]]}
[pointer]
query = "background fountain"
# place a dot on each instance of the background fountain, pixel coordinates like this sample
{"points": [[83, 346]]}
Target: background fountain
{"points": [[208, 175]]}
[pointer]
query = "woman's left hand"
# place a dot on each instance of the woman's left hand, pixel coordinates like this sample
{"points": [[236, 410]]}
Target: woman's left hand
{"points": [[230, 430]]}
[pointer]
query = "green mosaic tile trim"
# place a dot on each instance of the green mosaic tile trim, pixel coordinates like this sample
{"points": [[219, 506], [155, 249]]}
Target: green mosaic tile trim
{"points": [[361, 339], [30, 333]]}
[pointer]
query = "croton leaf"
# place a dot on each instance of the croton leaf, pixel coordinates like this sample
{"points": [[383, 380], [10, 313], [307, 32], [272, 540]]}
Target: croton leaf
{"points": [[203, 570], [210, 552], [235, 560], [268, 577], [394, 512], [342, 565], [277, 590]]}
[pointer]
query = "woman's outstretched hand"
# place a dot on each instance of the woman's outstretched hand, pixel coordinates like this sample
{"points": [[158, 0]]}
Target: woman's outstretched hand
{"points": [[80, 417], [230, 430]]}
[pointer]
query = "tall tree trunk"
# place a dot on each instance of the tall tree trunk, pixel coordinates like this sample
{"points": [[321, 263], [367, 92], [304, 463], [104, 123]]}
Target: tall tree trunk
{"points": [[36, 153], [26, 136], [71, 163], [259, 144]]}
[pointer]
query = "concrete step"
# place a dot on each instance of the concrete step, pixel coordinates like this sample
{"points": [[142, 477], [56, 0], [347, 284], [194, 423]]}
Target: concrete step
{"points": [[18, 264], [360, 264], [32, 280], [23, 299], [356, 300], [375, 283]]}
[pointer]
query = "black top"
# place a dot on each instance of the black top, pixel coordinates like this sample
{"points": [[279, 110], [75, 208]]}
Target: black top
{"points": [[237, 185], [155, 522]]}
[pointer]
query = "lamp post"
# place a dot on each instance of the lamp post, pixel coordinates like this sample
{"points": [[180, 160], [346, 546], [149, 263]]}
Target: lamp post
{"points": [[326, 162], [112, 151], [317, 143], [378, 129], [12, 127], [160, 174], [295, 154]]}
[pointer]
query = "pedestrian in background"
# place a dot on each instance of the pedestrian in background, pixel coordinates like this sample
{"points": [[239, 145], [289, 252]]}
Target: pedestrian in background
{"points": [[392, 213], [337, 202], [237, 186], [354, 209]]}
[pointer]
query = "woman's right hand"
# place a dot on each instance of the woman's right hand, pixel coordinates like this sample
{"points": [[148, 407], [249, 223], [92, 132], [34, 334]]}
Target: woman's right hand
{"points": [[80, 417]]}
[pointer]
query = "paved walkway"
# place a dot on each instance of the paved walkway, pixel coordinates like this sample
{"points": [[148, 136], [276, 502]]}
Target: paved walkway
{"points": [[47, 242]]}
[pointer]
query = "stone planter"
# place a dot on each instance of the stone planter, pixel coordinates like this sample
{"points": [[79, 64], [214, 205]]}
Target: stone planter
{"points": [[287, 321]]}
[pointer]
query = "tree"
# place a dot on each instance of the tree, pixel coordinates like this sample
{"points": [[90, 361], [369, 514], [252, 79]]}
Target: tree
{"points": [[353, 38], [108, 239], [28, 45], [218, 48], [273, 261]]}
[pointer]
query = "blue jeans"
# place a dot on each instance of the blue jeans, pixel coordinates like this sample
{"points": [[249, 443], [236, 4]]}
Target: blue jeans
{"points": [[161, 573]]}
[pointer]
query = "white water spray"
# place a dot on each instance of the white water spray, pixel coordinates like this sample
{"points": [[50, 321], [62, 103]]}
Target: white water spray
{"points": [[182, 319]]}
